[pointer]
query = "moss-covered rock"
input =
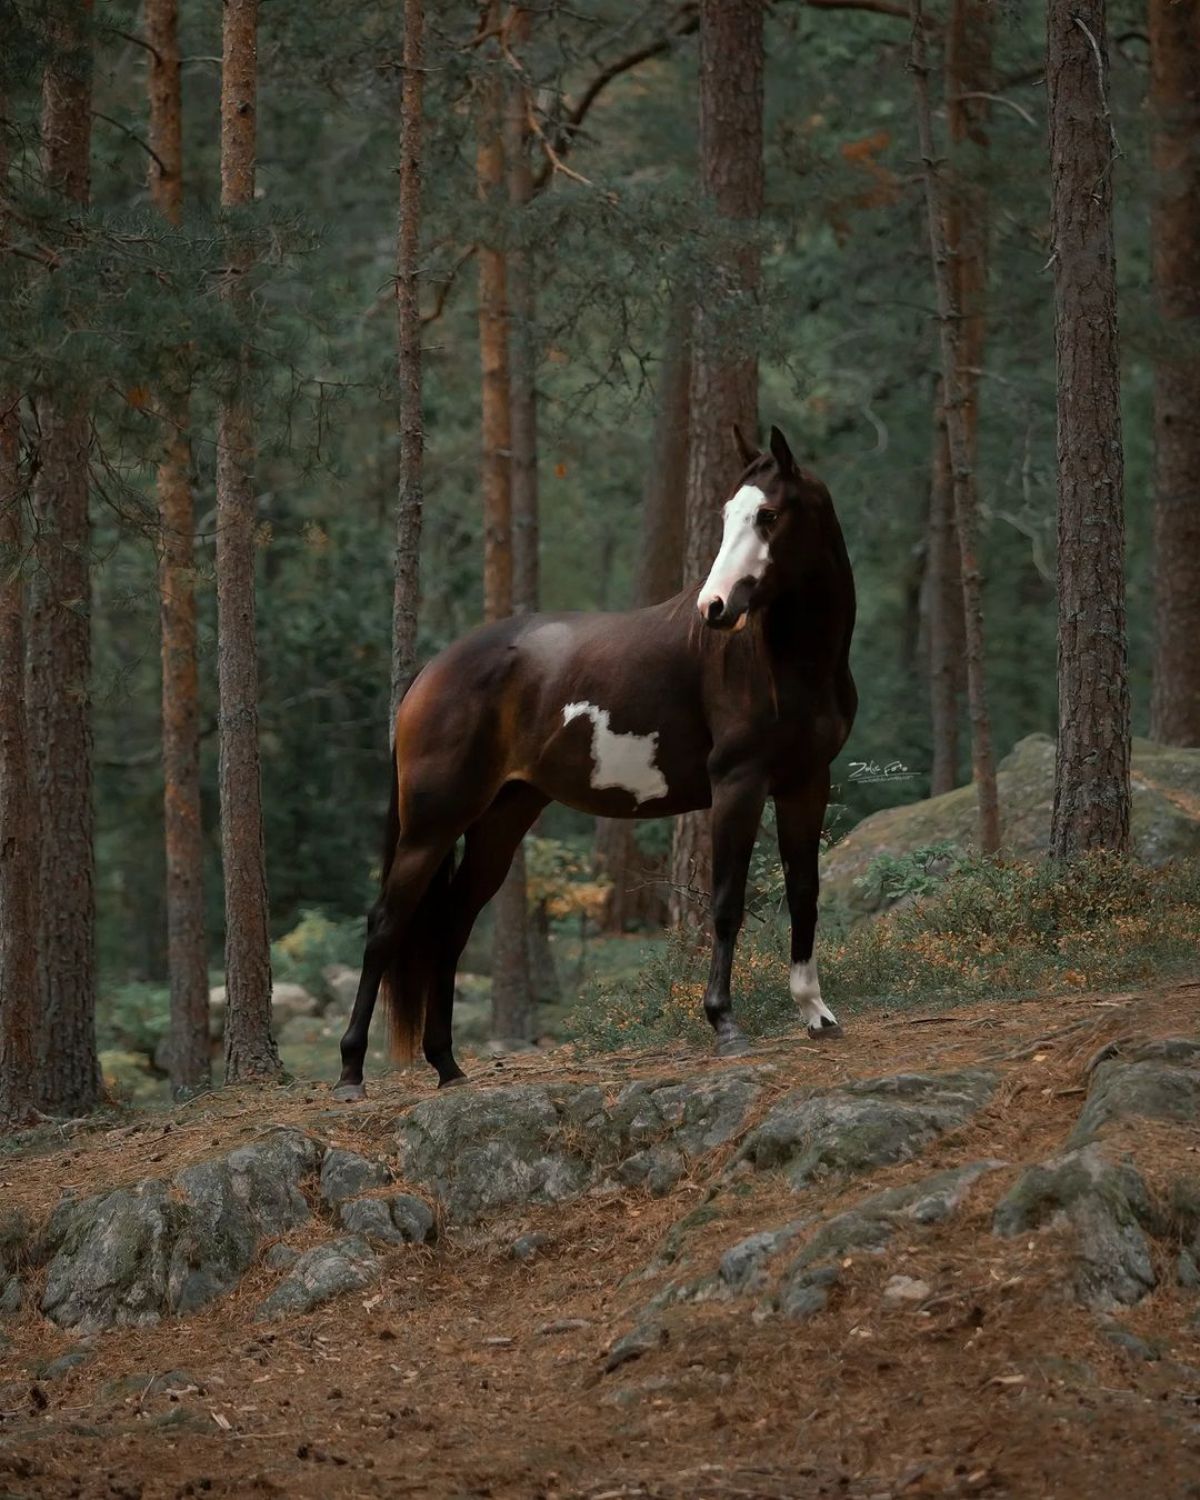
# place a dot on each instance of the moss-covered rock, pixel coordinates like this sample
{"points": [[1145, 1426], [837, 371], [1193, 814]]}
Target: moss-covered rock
{"points": [[1165, 819]]}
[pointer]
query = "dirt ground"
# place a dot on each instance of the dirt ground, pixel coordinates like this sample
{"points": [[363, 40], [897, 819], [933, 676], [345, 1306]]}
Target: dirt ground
{"points": [[468, 1373]]}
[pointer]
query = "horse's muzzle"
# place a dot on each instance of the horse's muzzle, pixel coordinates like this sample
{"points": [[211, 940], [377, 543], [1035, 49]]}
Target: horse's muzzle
{"points": [[727, 614]]}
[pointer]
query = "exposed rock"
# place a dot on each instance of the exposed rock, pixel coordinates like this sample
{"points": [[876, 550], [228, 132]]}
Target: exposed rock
{"points": [[526, 1246], [1130, 1342], [55, 1369], [849, 1130], [1107, 1206], [345, 1174], [109, 1258], [232, 1204], [288, 1001], [12, 1295], [1147, 1088], [281, 1257], [807, 1292], [16, 1234], [743, 1267], [399, 1219], [341, 982], [327, 1271], [901, 1289], [643, 1339], [1164, 825], [483, 1150]]}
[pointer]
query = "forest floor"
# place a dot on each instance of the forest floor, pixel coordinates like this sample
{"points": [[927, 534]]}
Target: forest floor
{"points": [[467, 1372]]}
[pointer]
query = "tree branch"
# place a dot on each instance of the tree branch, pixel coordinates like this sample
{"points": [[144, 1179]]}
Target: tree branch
{"points": [[133, 136]]}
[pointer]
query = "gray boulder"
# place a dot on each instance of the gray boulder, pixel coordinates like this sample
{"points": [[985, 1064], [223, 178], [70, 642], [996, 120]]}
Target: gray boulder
{"points": [[345, 1174], [110, 1258], [399, 1219], [327, 1271], [1150, 1087], [849, 1130], [231, 1205], [1109, 1209]]}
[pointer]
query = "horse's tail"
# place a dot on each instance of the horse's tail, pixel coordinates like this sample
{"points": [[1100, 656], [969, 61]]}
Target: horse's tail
{"points": [[411, 969]]}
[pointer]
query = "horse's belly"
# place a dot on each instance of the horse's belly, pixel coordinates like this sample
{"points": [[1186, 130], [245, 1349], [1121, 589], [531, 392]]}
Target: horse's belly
{"points": [[620, 776]]}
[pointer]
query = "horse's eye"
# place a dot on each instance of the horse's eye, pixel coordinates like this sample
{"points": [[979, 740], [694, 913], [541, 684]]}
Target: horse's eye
{"points": [[766, 519]]}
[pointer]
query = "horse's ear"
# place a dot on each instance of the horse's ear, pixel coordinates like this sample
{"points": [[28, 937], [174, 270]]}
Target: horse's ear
{"points": [[782, 454], [746, 453]]}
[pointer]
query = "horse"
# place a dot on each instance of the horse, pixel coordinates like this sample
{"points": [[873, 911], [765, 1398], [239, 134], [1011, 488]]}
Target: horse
{"points": [[737, 689]]}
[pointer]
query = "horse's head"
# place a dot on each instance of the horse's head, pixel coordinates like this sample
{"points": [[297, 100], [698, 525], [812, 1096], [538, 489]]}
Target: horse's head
{"points": [[771, 521]]}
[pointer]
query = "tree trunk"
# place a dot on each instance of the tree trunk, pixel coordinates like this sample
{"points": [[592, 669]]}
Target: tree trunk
{"points": [[1175, 105], [18, 830], [638, 883], [511, 1009], [187, 952], [1091, 786], [407, 596], [249, 1047], [983, 764], [59, 647], [724, 374], [944, 612]]}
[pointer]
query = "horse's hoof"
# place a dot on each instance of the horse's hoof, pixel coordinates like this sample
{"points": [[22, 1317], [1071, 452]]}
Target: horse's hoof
{"points": [[350, 1093], [733, 1045], [826, 1031], [453, 1083]]}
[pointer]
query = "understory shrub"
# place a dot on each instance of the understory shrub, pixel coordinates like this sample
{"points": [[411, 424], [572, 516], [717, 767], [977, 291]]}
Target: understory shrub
{"points": [[984, 928]]}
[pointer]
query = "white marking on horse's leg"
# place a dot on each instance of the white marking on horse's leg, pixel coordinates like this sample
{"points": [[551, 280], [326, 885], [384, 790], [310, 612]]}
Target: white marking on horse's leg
{"points": [[806, 992], [624, 761], [744, 552]]}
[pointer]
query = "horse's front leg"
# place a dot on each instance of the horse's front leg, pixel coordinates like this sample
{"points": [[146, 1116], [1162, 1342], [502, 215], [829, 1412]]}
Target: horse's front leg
{"points": [[736, 812], [799, 820]]}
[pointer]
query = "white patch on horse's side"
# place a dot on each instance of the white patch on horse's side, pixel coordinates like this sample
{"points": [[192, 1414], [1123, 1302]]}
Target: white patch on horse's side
{"points": [[743, 554], [806, 992], [623, 761]]}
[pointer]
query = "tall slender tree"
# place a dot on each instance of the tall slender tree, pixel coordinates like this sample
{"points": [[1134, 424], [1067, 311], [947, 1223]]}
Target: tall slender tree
{"points": [[250, 1051], [724, 373], [59, 645], [187, 952], [983, 765], [968, 84], [510, 955], [1175, 104], [18, 849], [1091, 788], [637, 884], [411, 502]]}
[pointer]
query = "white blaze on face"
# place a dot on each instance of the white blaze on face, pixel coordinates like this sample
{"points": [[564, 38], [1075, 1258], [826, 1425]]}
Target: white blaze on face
{"points": [[623, 761], [744, 553], [806, 992]]}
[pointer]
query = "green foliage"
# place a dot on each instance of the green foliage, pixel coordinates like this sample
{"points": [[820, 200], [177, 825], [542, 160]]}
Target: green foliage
{"points": [[317, 941], [133, 1017], [917, 873], [994, 928]]}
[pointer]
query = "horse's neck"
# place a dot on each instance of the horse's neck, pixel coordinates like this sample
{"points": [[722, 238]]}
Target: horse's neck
{"points": [[809, 623]]}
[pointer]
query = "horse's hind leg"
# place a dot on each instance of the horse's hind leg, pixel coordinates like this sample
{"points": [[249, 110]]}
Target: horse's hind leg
{"points": [[413, 867], [490, 845]]}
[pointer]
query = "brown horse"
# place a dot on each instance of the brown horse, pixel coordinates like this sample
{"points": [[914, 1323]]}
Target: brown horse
{"points": [[721, 697]]}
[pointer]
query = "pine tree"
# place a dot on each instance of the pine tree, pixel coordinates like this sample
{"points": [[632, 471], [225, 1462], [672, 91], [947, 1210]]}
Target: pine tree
{"points": [[407, 593], [187, 953], [249, 1047], [724, 376], [1175, 237], [946, 287], [59, 644], [1091, 788]]}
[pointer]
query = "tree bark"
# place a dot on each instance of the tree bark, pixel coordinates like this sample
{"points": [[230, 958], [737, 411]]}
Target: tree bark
{"points": [[638, 884], [250, 1051], [59, 645], [512, 1017], [407, 595], [724, 374], [18, 829], [983, 764], [1175, 106], [944, 612], [187, 951], [1091, 787]]}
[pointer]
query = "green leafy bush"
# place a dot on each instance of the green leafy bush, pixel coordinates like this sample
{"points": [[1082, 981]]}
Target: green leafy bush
{"points": [[302, 955]]}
